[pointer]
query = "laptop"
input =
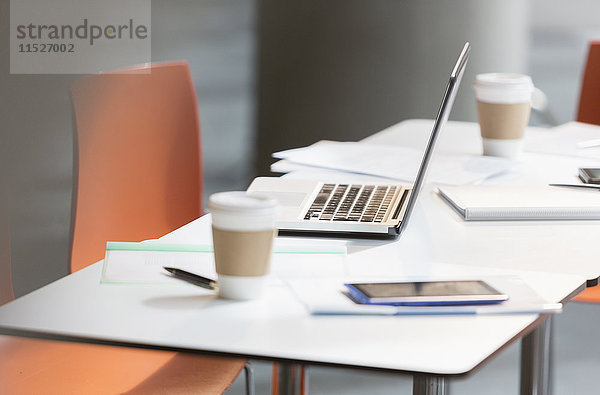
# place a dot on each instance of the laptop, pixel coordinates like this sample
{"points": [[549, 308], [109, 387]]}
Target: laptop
{"points": [[374, 209]]}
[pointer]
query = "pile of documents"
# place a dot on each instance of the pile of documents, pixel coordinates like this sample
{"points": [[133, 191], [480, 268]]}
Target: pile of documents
{"points": [[397, 163]]}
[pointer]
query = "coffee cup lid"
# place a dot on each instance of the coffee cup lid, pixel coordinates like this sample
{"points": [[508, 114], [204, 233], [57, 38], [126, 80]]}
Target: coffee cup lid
{"points": [[508, 80], [503, 87], [239, 201]]}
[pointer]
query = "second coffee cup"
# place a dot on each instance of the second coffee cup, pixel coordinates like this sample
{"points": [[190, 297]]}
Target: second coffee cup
{"points": [[503, 107], [243, 231]]}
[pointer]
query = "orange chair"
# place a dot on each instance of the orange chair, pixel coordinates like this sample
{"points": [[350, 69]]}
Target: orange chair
{"points": [[589, 112], [589, 100], [138, 176], [139, 172]]}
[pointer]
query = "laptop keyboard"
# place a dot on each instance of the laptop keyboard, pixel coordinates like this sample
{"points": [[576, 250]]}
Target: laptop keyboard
{"points": [[351, 202]]}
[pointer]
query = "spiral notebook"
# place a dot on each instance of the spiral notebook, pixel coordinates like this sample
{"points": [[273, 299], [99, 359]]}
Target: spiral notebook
{"points": [[494, 203]]}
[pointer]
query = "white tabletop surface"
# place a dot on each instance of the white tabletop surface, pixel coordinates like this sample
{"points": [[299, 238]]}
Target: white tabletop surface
{"points": [[279, 327]]}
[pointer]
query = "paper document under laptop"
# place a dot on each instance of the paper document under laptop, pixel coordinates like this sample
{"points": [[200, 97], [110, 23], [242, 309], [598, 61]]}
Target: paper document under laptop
{"points": [[398, 163]]}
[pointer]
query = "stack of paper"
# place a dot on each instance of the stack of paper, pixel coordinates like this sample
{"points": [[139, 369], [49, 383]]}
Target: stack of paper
{"points": [[399, 163]]}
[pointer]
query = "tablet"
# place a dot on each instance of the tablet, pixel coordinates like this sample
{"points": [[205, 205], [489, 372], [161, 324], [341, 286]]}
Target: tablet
{"points": [[589, 176], [423, 293]]}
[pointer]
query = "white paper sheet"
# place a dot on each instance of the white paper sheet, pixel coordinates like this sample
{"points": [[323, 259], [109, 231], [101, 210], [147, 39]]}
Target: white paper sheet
{"points": [[399, 163], [566, 139]]}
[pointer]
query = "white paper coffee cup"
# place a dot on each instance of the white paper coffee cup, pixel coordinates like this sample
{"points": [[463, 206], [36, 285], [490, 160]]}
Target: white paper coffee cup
{"points": [[504, 148], [243, 231], [503, 108]]}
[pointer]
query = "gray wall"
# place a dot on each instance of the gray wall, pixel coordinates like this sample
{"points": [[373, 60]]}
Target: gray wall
{"points": [[344, 69], [560, 33], [37, 162]]}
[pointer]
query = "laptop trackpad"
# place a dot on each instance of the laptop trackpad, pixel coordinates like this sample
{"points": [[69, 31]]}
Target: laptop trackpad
{"points": [[290, 199]]}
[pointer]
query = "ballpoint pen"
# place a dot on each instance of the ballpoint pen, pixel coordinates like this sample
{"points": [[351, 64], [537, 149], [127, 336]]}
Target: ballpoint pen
{"points": [[191, 278], [578, 186]]}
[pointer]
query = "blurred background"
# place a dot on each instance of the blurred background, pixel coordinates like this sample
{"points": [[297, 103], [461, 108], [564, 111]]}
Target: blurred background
{"points": [[274, 74]]}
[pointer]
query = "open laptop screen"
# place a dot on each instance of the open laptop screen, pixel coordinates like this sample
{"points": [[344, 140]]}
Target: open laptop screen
{"points": [[440, 120]]}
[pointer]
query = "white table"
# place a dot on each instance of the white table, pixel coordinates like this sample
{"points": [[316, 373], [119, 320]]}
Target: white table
{"points": [[278, 327], [275, 328], [550, 246], [441, 235]]}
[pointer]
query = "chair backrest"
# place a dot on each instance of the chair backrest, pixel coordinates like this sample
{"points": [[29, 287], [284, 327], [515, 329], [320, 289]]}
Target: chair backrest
{"points": [[137, 165], [589, 100]]}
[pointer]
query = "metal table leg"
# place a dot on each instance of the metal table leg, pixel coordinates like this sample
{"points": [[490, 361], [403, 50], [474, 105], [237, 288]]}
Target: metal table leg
{"points": [[250, 385], [292, 379], [429, 385], [536, 360]]}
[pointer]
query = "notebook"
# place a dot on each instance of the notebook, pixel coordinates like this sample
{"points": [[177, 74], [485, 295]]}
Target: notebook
{"points": [[347, 208], [490, 203]]}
